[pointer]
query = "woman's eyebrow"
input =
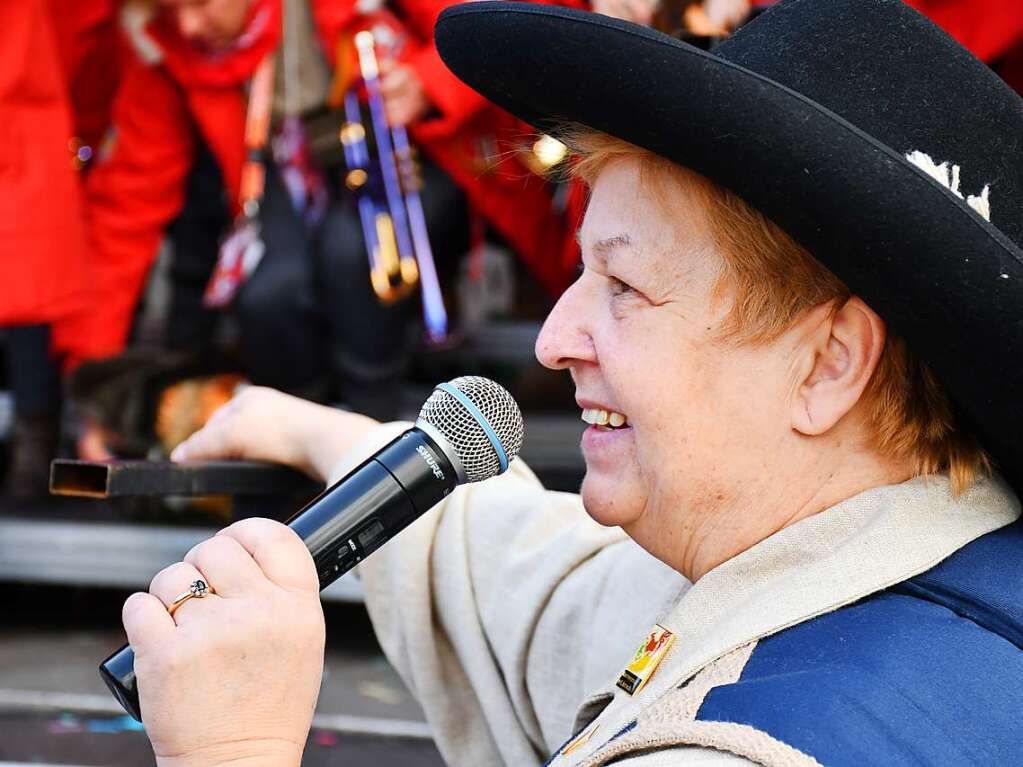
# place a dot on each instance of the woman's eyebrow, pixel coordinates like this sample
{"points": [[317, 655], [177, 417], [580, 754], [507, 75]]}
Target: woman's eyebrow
{"points": [[603, 248]]}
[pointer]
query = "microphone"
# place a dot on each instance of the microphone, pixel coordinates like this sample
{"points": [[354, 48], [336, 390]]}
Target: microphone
{"points": [[468, 430]]}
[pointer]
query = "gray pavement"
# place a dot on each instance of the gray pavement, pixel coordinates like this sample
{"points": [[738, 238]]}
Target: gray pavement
{"points": [[55, 710], [82, 742]]}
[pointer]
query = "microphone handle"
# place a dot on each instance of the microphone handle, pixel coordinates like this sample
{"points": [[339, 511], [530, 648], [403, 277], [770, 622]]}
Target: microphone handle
{"points": [[342, 525]]}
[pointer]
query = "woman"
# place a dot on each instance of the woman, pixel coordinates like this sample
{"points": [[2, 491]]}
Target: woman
{"points": [[835, 576]]}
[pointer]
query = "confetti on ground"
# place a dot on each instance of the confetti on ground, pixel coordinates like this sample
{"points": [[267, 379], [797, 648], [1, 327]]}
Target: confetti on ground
{"points": [[381, 692], [113, 726], [65, 724], [325, 738]]}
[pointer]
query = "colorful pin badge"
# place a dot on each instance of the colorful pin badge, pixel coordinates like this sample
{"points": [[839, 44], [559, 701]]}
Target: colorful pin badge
{"points": [[646, 660]]}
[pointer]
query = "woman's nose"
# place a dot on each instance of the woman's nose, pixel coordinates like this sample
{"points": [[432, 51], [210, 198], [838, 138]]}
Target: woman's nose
{"points": [[565, 338]]}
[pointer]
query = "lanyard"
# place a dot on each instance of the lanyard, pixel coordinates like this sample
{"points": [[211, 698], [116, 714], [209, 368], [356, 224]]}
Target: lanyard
{"points": [[257, 128], [242, 249]]}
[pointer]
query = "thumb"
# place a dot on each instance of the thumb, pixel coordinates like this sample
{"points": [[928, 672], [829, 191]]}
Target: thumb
{"points": [[146, 621], [210, 442]]}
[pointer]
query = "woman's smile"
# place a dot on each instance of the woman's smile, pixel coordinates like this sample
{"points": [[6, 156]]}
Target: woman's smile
{"points": [[603, 443], [608, 429]]}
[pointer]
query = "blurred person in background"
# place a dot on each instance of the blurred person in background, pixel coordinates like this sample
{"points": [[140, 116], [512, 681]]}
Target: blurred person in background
{"points": [[58, 70], [308, 319]]}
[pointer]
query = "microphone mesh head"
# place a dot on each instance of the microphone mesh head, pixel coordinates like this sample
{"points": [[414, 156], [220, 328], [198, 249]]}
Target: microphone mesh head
{"points": [[463, 431]]}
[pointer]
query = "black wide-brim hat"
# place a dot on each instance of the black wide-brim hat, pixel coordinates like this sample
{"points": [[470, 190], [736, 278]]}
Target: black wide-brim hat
{"points": [[836, 119]]}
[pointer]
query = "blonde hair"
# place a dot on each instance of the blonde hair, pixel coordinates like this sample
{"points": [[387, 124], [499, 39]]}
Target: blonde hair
{"points": [[772, 280]]}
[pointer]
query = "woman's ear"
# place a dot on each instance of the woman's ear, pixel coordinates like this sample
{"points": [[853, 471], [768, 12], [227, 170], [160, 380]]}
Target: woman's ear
{"points": [[838, 358]]}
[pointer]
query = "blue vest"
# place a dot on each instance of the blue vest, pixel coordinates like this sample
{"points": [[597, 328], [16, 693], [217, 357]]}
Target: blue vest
{"points": [[928, 672]]}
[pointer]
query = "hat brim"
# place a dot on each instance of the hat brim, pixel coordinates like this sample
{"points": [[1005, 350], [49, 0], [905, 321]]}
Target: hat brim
{"points": [[939, 274]]}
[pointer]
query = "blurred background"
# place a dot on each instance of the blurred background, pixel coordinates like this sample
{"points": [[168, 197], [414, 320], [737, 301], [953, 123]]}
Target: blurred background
{"points": [[199, 195]]}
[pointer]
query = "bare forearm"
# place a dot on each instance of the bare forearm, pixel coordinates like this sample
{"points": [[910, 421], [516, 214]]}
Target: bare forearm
{"points": [[261, 424], [327, 435]]}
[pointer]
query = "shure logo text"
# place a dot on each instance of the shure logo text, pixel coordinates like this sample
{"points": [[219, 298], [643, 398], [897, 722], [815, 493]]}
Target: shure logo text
{"points": [[430, 461]]}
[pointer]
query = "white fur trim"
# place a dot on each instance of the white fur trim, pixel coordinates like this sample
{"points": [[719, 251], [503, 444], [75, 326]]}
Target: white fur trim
{"points": [[134, 18], [948, 175], [982, 202]]}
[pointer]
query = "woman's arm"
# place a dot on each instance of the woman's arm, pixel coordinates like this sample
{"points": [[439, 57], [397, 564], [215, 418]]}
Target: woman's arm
{"points": [[502, 608], [262, 424]]}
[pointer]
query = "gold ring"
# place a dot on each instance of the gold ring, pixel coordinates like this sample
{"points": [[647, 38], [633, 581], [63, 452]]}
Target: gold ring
{"points": [[196, 589]]}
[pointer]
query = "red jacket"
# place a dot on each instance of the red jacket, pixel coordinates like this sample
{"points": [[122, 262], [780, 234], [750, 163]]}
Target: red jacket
{"points": [[88, 44], [1011, 68], [160, 106], [43, 255], [989, 28]]}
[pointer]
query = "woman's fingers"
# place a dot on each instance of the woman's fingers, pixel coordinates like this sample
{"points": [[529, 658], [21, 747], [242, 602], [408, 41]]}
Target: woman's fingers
{"points": [[240, 670], [146, 621], [224, 434], [228, 567], [278, 551], [174, 581], [258, 424], [261, 424], [211, 441]]}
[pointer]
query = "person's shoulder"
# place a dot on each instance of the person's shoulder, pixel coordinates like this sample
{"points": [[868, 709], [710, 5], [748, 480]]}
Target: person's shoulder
{"points": [[926, 672]]}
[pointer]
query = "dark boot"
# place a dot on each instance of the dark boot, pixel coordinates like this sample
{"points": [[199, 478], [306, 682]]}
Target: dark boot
{"points": [[34, 444]]}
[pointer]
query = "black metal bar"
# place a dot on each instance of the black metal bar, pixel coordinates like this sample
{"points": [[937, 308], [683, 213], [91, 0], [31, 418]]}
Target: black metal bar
{"points": [[109, 479]]}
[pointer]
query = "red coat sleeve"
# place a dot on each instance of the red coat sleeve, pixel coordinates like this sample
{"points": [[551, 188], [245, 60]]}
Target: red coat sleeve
{"points": [[42, 238], [88, 39], [456, 102], [989, 28], [132, 193], [332, 18]]}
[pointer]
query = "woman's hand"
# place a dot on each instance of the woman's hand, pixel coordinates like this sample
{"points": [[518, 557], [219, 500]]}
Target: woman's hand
{"points": [[231, 678], [262, 424]]}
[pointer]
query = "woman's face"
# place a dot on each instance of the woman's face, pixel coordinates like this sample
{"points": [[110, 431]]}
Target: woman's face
{"points": [[707, 419]]}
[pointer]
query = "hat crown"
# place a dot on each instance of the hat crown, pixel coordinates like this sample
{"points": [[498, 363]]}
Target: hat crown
{"points": [[893, 74]]}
